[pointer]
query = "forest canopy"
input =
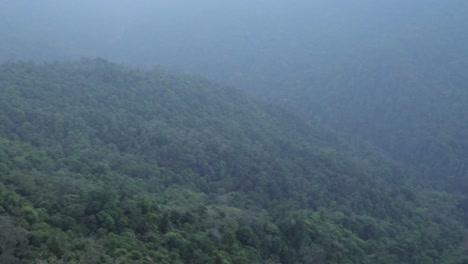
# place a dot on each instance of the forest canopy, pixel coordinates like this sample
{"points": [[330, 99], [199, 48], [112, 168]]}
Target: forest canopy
{"points": [[103, 163]]}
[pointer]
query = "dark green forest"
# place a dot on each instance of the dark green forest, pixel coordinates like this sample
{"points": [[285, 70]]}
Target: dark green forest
{"points": [[102, 163]]}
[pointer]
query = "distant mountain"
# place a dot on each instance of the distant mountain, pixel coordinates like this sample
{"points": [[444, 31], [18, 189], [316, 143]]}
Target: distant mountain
{"points": [[101, 163]]}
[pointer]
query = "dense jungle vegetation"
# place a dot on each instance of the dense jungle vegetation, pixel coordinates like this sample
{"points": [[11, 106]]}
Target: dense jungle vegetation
{"points": [[101, 163]]}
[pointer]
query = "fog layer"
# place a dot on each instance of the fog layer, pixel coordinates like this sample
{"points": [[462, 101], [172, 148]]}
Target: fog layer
{"points": [[242, 42]]}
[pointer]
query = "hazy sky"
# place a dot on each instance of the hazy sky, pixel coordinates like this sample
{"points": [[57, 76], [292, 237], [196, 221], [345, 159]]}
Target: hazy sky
{"points": [[232, 39]]}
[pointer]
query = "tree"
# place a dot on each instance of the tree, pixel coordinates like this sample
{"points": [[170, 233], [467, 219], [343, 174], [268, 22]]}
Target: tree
{"points": [[11, 239]]}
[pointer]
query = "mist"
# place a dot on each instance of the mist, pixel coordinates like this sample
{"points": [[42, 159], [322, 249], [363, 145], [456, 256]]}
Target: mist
{"points": [[244, 43]]}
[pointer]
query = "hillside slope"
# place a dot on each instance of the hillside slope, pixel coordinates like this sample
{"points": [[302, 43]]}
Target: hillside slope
{"points": [[104, 164], [418, 115]]}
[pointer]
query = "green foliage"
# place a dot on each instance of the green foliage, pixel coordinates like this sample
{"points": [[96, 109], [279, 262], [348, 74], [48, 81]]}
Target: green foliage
{"points": [[104, 164]]}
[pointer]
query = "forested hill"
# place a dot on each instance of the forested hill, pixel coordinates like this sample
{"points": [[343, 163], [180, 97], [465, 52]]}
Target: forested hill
{"points": [[416, 111], [100, 163]]}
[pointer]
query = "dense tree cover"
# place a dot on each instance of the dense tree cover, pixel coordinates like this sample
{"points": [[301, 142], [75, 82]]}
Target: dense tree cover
{"points": [[418, 115], [104, 164]]}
